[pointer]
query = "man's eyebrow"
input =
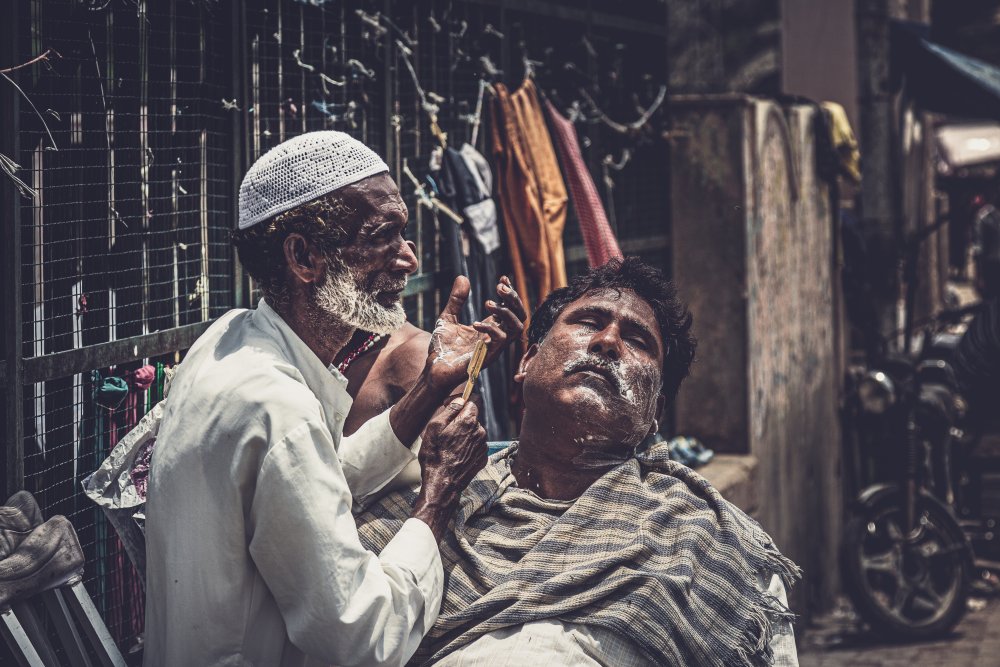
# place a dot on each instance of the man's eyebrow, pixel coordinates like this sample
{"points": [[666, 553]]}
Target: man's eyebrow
{"points": [[378, 226], [384, 217]]}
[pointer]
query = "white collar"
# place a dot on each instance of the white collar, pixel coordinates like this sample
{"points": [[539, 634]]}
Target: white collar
{"points": [[326, 382]]}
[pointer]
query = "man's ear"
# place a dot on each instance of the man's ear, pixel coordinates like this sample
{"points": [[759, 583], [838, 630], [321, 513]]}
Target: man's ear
{"points": [[303, 258], [522, 367]]}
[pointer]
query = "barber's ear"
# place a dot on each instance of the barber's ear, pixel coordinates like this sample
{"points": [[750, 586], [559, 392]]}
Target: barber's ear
{"points": [[304, 259], [522, 367]]}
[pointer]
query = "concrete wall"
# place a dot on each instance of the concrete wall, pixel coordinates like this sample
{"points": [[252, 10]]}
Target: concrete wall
{"points": [[819, 52], [754, 257]]}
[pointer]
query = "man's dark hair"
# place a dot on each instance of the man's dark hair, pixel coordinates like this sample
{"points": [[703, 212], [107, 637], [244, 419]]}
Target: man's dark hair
{"points": [[649, 284], [261, 246]]}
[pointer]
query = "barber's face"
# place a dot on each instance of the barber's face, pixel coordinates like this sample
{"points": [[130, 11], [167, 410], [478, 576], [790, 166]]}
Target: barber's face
{"points": [[599, 370], [376, 253]]}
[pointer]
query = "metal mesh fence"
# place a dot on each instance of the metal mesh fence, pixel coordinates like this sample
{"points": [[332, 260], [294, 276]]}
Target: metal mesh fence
{"points": [[83, 417], [130, 154], [127, 144], [128, 233]]}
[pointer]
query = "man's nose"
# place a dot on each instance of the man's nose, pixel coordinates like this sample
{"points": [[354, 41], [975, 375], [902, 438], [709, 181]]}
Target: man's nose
{"points": [[607, 342], [407, 258]]}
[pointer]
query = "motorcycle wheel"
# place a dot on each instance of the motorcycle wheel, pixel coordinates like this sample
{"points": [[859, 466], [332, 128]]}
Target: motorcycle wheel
{"points": [[906, 589]]}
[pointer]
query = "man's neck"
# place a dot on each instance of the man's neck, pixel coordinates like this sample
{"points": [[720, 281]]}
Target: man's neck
{"points": [[322, 333], [545, 465]]}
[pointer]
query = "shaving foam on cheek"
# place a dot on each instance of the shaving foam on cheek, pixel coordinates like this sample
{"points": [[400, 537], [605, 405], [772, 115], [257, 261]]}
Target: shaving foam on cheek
{"points": [[643, 384]]}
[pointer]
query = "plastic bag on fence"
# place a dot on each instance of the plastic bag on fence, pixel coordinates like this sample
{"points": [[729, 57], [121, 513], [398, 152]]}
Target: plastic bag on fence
{"points": [[118, 486]]}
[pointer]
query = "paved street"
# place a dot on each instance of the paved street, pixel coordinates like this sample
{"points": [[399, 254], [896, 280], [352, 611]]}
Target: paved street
{"points": [[976, 641]]}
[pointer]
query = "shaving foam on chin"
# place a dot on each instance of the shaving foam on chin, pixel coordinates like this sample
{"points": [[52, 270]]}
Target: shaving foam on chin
{"points": [[598, 457]]}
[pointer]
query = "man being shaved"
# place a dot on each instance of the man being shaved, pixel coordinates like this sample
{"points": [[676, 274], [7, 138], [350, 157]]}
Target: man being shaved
{"points": [[569, 547]]}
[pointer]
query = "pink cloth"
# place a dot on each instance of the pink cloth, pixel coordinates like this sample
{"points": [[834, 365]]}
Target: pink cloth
{"points": [[598, 238], [143, 377]]}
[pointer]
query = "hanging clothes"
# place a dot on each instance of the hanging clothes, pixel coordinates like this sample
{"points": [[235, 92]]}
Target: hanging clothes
{"points": [[842, 138], [599, 240], [531, 191], [473, 249], [108, 395]]}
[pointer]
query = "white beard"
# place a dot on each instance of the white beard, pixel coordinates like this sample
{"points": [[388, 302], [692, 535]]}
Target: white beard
{"points": [[340, 297]]}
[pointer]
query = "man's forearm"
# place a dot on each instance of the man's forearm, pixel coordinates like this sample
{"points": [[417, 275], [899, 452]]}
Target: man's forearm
{"points": [[410, 415], [436, 514]]}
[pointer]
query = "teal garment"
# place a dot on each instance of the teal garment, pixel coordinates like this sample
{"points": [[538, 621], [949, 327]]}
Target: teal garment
{"points": [[109, 392]]}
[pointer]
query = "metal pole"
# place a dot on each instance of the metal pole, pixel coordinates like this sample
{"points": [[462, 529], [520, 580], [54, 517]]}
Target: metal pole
{"points": [[10, 145], [880, 168], [241, 135]]}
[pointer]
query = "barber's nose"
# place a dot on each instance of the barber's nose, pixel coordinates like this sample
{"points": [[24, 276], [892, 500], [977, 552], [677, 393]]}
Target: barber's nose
{"points": [[607, 343], [407, 259]]}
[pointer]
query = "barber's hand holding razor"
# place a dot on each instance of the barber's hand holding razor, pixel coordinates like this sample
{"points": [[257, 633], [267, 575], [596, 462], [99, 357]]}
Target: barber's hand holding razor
{"points": [[453, 451], [454, 444], [453, 343]]}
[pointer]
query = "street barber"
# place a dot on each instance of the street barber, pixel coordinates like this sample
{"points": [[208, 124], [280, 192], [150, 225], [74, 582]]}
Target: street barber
{"points": [[253, 557], [571, 547]]}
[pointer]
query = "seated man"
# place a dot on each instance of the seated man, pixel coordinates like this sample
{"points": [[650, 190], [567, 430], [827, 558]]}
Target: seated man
{"points": [[570, 548]]}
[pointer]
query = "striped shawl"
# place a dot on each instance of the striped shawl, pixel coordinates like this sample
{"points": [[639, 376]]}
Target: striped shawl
{"points": [[651, 551]]}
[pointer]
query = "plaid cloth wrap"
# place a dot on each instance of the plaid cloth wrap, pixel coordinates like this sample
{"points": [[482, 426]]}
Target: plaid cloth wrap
{"points": [[651, 551]]}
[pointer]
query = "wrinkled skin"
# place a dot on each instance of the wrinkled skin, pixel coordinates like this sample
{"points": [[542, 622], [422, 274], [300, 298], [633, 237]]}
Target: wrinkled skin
{"points": [[452, 343], [591, 392], [376, 253], [380, 259], [377, 259]]}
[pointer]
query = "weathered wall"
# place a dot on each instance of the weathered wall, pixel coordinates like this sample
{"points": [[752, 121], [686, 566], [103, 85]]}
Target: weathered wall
{"points": [[819, 37], [708, 214], [753, 254], [714, 46]]}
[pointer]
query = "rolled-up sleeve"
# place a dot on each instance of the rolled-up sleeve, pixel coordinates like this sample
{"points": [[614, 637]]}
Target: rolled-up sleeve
{"points": [[340, 603]]}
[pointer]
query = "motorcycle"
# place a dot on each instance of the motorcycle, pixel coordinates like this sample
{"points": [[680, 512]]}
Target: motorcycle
{"points": [[906, 560], [975, 491]]}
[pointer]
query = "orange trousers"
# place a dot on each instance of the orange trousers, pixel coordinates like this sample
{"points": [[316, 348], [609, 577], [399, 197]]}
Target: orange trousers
{"points": [[530, 190]]}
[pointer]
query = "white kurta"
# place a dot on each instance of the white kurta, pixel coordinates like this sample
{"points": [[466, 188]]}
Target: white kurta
{"points": [[253, 555]]}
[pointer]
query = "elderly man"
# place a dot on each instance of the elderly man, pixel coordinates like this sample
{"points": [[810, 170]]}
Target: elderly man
{"points": [[569, 548], [252, 553]]}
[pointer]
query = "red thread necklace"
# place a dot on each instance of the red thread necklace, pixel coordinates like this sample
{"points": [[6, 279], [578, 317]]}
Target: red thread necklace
{"points": [[368, 344]]}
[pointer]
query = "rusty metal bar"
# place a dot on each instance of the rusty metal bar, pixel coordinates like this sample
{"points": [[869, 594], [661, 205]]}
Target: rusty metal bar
{"points": [[241, 136], [123, 351], [10, 295]]}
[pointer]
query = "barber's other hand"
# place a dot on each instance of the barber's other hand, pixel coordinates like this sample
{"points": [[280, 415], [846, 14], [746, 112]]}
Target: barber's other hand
{"points": [[453, 451], [452, 343]]}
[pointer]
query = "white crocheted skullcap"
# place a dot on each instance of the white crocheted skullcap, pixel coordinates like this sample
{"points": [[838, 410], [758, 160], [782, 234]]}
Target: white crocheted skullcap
{"points": [[300, 170]]}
